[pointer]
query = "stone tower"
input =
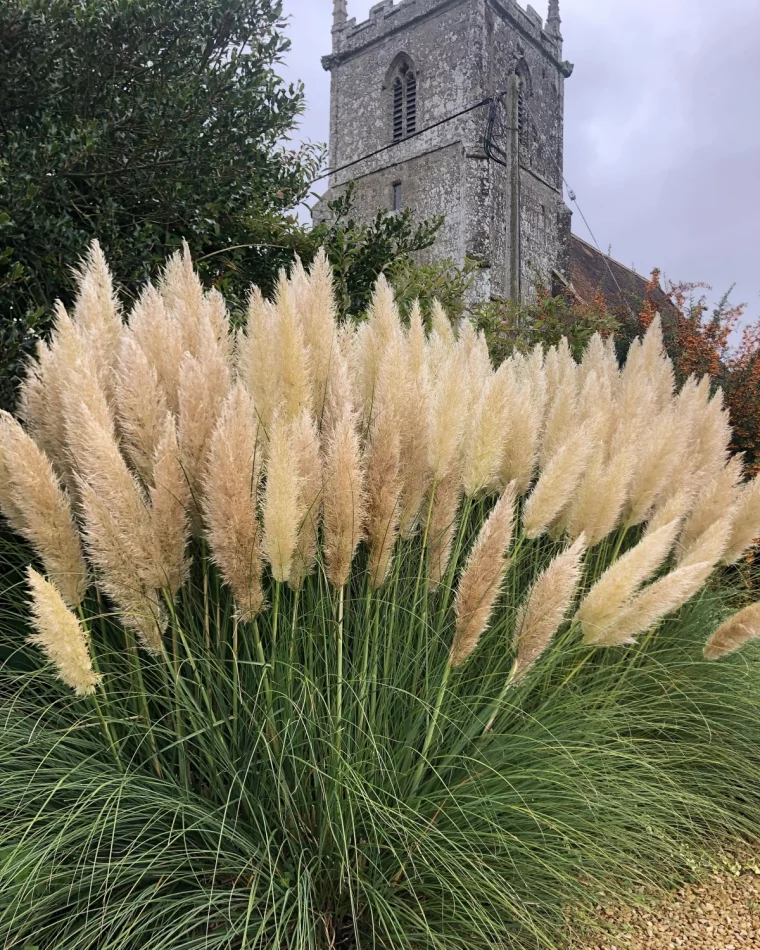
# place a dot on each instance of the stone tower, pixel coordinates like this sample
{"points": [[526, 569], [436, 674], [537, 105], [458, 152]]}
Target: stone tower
{"points": [[415, 64]]}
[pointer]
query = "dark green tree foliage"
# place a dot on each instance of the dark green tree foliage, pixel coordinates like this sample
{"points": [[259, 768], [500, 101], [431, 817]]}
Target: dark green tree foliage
{"points": [[359, 253], [141, 122]]}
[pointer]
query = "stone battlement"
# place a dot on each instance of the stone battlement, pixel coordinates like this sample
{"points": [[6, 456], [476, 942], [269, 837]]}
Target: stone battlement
{"points": [[388, 16]]}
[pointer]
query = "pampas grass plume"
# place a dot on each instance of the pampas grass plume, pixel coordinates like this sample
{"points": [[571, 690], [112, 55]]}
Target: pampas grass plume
{"points": [[308, 452], [344, 496], [169, 512], [60, 636], [655, 602], [295, 384], [383, 486], [231, 489], [39, 509], [546, 607], [142, 407], [745, 526], [283, 509], [620, 582], [258, 361], [734, 633], [481, 581], [413, 408], [557, 483], [446, 499]]}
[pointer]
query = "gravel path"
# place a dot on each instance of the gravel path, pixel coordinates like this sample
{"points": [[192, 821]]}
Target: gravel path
{"points": [[722, 912]]}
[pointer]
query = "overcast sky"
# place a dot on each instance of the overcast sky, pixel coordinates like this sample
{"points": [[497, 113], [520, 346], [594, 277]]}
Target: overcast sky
{"points": [[662, 128]]}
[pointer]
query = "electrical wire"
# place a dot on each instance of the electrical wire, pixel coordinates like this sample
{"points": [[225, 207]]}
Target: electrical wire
{"points": [[386, 148], [494, 152]]}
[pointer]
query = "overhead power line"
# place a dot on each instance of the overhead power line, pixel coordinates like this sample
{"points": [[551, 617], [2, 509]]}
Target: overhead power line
{"points": [[493, 152], [387, 148]]}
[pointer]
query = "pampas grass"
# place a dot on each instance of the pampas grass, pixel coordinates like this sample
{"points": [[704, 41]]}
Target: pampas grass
{"points": [[59, 635], [734, 633], [347, 601]]}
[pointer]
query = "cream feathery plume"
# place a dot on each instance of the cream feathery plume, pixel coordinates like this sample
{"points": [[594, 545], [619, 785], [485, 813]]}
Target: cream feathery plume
{"points": [[599, 357], [448, 416], [295, 381], [523, 435], [169, 511], [546, 607], [38, 508], [383, 316], [258, 360], [482, 579], [658, 366], [714, 501], [183, 296], [477, 362], [413, 410], [558, 482], [123, 556], [309, 454], [8, 507], [60, 636], [319, 326], [634, 400], [363, 366], [283, 507], [383, 482], [442, 339], [230, 501], [203, 387], [654, 602], [562, 412], [32, 406], [711, 545], [734, 633], [485, 442], [97, 314], [103, 469], [659, 459], [159, 337], [598, 505], [344, 497], [710, 450], [441, 324], [299, 284], [602, 605], [216, 317], [673, 508], [140, 406], [444, 515], [339, 393], [50, 378], [745, 529]]}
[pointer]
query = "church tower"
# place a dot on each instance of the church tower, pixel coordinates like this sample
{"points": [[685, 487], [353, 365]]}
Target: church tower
{"points": [[403, 84]]}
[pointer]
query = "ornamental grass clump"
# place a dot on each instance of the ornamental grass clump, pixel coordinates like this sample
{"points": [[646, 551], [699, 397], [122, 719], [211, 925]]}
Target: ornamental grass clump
{"points": [[340, 636]]}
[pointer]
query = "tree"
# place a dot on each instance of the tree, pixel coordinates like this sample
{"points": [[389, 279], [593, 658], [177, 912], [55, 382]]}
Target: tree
{"points": [[142, 122]]}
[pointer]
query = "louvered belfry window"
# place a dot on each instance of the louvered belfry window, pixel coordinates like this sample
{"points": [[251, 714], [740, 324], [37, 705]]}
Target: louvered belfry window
{"points": [[404, 91], [411, 104], [398, 109]]}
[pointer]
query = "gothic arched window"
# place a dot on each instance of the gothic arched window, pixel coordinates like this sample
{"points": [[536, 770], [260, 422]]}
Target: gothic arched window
{"points": [[403, 85]]}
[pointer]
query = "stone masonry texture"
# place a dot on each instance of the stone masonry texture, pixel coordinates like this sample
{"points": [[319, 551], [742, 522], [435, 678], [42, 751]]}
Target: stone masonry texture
{"points": [[512, 220]]}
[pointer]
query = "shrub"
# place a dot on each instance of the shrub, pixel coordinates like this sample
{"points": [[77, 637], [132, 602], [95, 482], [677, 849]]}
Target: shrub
{"points": [[354, 640], [140, 122]]}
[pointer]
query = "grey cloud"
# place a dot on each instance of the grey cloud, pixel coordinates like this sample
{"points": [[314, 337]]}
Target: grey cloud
{"points": [[662, 128]]}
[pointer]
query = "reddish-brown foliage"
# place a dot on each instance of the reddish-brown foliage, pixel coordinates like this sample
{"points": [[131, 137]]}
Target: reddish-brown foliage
{"points": [[703, 340]]}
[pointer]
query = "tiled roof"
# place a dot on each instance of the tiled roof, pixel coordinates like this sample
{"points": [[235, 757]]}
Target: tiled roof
{"points": [[592, 271]]}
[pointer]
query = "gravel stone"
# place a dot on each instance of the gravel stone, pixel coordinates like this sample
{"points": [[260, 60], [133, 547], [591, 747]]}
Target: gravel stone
{"points": [[721, 912]]}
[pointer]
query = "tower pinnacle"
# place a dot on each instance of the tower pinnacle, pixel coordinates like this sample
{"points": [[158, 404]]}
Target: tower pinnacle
{"points": [[340, 13], [554, 22]]}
